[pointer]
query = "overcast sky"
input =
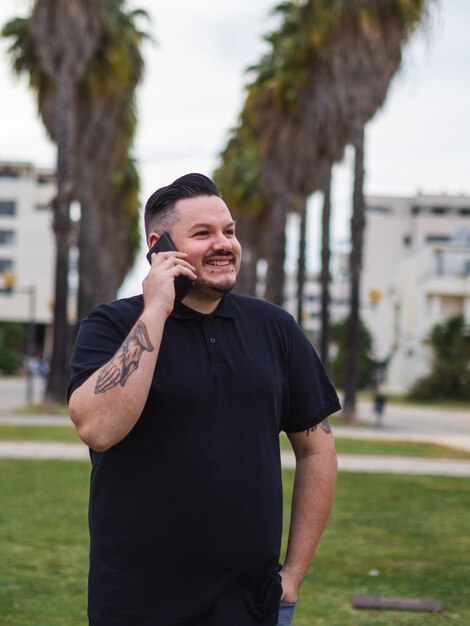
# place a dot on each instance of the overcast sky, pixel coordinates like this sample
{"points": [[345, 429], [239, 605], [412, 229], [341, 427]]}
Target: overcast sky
{"points": [[193, 91]]}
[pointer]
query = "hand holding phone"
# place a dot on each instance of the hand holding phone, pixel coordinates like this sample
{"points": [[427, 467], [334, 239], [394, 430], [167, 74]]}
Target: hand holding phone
{"points": [[182, 283]]}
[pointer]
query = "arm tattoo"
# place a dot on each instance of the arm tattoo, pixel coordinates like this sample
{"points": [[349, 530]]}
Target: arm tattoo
{"points": [[325, 426], [126, 359]]}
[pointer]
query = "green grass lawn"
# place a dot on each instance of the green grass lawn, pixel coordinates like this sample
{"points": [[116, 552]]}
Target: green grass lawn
{"points": [[26, 432], [43, 409], [412, 529]]}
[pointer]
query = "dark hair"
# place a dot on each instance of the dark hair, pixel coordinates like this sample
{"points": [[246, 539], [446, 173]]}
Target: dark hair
{"points": [[159, 215]]}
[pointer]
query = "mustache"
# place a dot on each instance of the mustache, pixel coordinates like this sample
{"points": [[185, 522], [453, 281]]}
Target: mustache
{"points": [[214, 255]]}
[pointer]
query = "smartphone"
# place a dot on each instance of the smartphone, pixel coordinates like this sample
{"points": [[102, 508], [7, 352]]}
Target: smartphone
{"points": [[182, 283]]}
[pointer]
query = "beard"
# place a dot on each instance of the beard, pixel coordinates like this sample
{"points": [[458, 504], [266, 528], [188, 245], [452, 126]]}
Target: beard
{"points": [[210, 291]]}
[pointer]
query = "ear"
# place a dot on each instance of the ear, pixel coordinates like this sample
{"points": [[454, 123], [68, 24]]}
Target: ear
{"points": [[152, 239]]}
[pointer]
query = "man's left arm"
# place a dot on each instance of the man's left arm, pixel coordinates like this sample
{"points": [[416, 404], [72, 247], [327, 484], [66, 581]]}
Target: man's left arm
{"points": [[314, 486]]}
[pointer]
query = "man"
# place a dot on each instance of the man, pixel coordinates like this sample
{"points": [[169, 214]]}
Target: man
{"points": [[182, 409]]}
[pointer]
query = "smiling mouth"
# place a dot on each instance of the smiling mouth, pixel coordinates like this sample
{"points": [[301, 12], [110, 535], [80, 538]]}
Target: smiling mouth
{"points": [[223, 263]]}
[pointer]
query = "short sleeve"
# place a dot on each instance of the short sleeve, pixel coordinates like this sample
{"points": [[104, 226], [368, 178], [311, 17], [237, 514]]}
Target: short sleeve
{"points": [[312, 396], [98, 339]]}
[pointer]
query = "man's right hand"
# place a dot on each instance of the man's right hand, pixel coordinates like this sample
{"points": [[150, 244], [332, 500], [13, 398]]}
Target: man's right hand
{"points": [[159, 284]]}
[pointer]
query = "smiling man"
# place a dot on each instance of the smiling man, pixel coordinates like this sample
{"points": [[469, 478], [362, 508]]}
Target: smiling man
{"points": [[182, 407]]}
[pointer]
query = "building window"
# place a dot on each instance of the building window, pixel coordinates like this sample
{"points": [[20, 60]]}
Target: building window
{"points": [[6, 172], [407, 241], [415, 210], [439, 210], [464, 210], [373, 208], [42, 207], [7, 237], [437, 239], [7, 207], [44, 179], [6, 265]]}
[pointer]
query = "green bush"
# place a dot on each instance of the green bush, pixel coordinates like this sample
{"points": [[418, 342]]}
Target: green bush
{"points": [[12, 340], [450, 374], [367, 365]]}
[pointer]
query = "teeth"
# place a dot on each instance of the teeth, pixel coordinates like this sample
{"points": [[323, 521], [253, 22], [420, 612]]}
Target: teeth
{"points": [[219, 262]]}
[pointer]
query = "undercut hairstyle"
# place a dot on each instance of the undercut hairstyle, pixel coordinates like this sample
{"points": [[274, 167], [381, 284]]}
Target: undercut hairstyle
{"points": [[160, 216]]}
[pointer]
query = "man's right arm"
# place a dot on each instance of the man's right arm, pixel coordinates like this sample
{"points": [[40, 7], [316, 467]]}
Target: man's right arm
{"points": [[108, 404]]}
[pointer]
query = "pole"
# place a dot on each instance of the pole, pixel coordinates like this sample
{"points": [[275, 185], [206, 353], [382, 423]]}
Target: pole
{"points": [[31, 343]]}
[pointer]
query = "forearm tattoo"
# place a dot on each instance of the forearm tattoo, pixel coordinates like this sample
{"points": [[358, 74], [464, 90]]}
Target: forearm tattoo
{"points": [[126, 360], [325, 426]]}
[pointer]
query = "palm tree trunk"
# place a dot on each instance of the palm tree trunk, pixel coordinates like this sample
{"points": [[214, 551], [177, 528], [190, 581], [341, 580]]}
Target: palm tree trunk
{"points": [[90, 272], [249, 236], [325, 276], [100, 233], [301, 263], [65, 128], [277, 251], [355, 265]]}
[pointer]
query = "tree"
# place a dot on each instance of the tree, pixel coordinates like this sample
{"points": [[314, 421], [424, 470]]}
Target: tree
{"points": [[367, 364], [368, 55], [62, 35], [325, 273], [107, 180], [302, 260], [326, 76], [238, 176], [353, 328], [296, 126], [104, 177], [65, 33]]}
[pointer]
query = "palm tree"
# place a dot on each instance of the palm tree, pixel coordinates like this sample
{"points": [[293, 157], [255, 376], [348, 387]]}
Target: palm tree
{"points": [[366, 56], [238, 176], [327, 74], [103, 111], [62, 35], [297, 127], [325, 273], [302, 259], [353, 327], [107, 181]]}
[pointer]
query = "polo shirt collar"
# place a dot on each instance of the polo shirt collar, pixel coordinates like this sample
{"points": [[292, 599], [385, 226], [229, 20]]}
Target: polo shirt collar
{"points": [[227, 308]]}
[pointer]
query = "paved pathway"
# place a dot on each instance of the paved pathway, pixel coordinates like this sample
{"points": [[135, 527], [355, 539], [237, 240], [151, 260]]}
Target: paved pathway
{"points": [[44, 450], [417, 420], [13, 392], [346, 462], [452, 440]]}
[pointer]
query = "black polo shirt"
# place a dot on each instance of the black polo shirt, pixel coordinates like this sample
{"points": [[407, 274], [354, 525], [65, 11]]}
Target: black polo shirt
{"points": [[186, 512]]}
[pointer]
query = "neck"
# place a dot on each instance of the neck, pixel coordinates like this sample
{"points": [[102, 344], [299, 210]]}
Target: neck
{"points": [[206, 307]]}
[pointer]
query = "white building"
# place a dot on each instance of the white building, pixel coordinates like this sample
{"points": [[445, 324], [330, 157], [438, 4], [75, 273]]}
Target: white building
{"points": [[431, 286], [27, 248], [416, 274]]}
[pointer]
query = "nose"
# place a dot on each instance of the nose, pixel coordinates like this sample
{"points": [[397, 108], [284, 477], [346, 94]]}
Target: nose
{"points": [[222, 242]]}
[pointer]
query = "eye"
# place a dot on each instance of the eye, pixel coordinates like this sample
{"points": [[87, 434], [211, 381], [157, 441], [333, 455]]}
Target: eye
{"points": [[201, 233], [230, 232]]}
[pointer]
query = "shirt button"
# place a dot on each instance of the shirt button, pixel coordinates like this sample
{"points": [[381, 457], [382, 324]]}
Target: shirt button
{"points": [[212, 340]]}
